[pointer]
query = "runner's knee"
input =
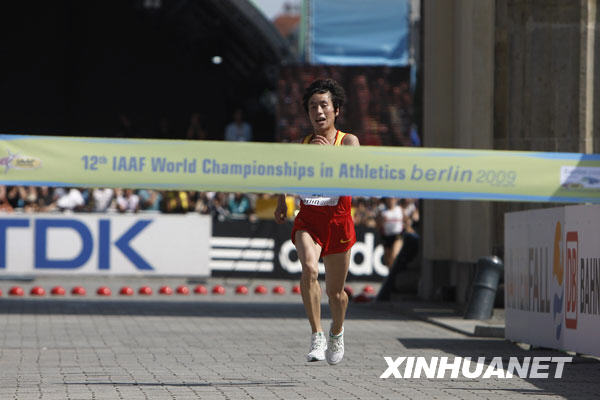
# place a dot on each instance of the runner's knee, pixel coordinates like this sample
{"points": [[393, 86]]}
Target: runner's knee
{"points": [[310, 271], [335, 295]]}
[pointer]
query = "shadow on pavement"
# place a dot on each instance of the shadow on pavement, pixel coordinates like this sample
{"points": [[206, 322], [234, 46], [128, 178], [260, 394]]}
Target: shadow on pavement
{"points": [[194, 308], [278, 384], [580, 378]]}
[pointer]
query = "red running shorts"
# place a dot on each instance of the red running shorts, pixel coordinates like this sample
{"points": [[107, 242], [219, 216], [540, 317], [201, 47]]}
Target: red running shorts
{"points": [[335, 234]]}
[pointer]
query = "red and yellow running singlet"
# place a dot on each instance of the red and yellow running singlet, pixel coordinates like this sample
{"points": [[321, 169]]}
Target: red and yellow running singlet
{"points": [[327, 219], [341, 203]]}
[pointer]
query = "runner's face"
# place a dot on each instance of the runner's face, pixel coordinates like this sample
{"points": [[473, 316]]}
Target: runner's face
{"points": [[321, 112]]}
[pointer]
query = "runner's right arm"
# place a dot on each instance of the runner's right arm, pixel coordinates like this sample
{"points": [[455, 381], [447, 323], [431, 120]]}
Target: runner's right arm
{"points": [[281, 209]]}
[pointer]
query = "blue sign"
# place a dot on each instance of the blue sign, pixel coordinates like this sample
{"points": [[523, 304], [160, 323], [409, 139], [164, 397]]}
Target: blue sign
{"points": [[359, 32]]}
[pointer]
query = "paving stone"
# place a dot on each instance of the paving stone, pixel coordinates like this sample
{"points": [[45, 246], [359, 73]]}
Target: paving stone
{"points": [[229, 347]]}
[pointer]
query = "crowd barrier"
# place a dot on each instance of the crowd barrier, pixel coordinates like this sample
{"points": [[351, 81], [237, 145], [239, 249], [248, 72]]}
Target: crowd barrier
{"points": [[105, 244], [264, 248], [162, 245]]}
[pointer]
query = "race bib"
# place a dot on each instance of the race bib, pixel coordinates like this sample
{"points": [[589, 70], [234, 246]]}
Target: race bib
{"points": [[318, 200]]}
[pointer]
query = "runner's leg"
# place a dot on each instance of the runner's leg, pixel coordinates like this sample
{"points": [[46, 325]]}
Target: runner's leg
{"points": [[308, 255], [336, 269]]}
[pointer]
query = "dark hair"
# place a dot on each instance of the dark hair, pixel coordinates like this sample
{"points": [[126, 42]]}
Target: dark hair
{"points": [[338, 97]]}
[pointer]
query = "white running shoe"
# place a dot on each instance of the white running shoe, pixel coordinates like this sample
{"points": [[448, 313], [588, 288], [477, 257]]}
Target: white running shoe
{"points": [[335, 348], [318, 344]]}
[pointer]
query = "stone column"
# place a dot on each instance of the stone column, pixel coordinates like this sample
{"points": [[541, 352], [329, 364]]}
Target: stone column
{"points": [[586, 75], [458, 113]]}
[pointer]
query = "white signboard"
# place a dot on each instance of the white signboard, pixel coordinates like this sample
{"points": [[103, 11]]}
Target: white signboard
{"points": [[101, 244], [552, 277]]}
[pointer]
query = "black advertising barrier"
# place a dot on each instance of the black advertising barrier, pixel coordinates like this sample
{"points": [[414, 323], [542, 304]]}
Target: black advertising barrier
{"points": [[240, 248]]}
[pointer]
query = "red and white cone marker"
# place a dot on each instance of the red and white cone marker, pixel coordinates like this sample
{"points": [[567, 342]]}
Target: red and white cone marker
{"points": [[166, 290], [368, 289], [241, 289], [58, 291], [78, 291], [200, 289], [349, 291], [16, 291], [182, 289], [126, 291], [103, 291], [37, 291], [218, 289], [278, 290], [145, 291], [261, 289]]}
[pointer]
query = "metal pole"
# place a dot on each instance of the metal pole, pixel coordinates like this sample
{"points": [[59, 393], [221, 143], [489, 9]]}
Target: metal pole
{"points": [[481, 303]]}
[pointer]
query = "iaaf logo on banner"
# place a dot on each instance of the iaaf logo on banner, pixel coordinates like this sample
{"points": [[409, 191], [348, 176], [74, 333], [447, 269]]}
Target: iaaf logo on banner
{"points": [[17, 161], [529, 367]]}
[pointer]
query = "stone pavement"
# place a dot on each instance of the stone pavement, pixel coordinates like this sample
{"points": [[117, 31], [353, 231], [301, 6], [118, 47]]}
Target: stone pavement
{"points": [[239, 347], [450, 316]]}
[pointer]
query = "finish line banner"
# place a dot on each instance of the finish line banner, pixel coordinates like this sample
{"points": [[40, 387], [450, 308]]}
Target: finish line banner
{"points": [[300, 169]]}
